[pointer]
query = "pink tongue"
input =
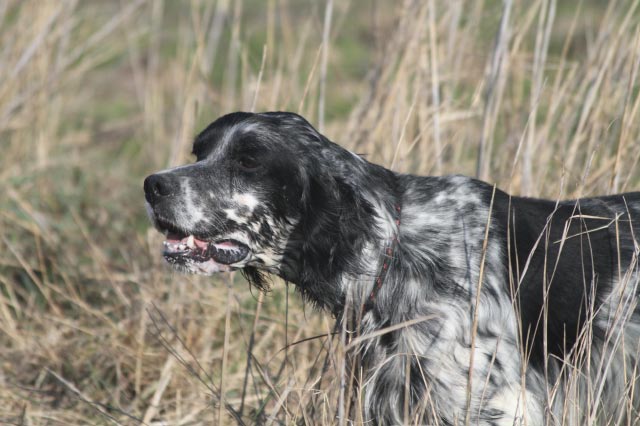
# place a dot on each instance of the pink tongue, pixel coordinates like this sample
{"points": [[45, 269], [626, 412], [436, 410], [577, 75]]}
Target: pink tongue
{"points": [[225, 244]]}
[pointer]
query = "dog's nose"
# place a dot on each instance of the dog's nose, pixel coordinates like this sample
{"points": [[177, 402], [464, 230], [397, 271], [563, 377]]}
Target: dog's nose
{"points": [[156, 187]]}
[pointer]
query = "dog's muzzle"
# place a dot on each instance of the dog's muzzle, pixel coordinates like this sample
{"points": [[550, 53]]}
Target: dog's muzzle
{"points": [[182, 249]]}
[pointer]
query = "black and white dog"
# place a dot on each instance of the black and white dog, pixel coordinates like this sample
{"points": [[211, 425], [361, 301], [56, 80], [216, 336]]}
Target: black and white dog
{"points": [[482, 308]]}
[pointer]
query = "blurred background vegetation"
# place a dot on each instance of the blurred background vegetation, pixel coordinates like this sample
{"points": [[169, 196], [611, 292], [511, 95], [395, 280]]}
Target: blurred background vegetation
{"points": [[540, 97]]}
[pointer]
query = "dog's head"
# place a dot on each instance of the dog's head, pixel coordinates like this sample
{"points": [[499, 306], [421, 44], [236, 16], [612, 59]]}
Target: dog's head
{"points": [[267, 192]]}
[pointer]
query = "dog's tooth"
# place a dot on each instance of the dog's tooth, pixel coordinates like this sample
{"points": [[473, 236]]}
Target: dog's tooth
{"points": [[190, 242]]}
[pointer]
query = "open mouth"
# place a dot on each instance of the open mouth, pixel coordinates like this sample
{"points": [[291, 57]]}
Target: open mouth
{"points": [[183, 249]]}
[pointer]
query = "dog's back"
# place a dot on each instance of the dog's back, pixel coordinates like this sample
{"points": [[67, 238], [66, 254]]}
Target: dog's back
{"points": [[571, 261]]}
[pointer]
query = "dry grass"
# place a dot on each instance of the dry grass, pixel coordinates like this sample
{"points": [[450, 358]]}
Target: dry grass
{"points": [[540, 97]]}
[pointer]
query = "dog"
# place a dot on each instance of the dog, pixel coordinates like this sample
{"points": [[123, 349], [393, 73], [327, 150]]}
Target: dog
{"points": [[471, 306]]}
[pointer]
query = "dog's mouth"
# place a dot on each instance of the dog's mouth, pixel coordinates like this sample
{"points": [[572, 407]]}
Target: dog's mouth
{"points": [[203, 256]]}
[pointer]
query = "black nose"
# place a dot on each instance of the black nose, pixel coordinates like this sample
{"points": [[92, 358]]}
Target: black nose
{"points": [[157, 186]]}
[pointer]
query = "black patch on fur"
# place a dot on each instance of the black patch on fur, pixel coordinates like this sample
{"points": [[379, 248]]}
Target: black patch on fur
{"points": [[575, 258]]}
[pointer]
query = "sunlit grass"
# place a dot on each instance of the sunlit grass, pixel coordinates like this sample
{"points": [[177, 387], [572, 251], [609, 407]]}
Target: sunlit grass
{"points": [[94, 329]]}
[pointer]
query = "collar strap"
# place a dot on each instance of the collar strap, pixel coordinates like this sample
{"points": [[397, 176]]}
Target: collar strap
{"points": [[386, 257]]}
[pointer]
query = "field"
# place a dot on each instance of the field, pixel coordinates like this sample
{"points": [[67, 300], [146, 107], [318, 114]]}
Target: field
{"points": [[540, 97]]}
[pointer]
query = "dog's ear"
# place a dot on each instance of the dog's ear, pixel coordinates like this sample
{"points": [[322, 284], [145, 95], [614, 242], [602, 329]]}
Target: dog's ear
{"points": [[335, 223], [333, 208]]}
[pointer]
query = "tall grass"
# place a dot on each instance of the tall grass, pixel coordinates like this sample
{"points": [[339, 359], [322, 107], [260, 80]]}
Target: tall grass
{"points": [[541, 97]]}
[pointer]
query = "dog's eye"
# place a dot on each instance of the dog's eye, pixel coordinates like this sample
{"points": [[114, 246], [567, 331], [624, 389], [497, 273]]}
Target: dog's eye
{"points": [[248, 163]]}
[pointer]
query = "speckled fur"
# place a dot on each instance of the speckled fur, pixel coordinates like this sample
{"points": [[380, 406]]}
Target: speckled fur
{"points": [[538, 326]]}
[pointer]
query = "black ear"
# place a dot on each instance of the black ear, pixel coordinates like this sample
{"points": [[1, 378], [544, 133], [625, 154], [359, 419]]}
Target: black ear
{"points": [[336, 222]]}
